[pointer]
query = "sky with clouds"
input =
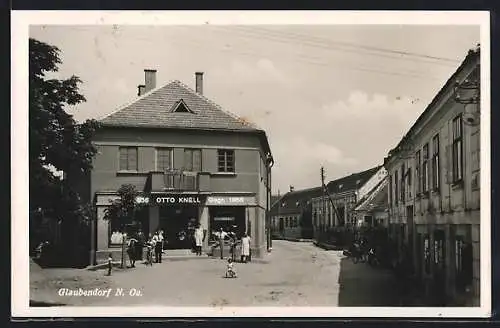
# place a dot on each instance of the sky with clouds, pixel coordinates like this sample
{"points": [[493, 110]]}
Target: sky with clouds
{"points": [[340, 96]]}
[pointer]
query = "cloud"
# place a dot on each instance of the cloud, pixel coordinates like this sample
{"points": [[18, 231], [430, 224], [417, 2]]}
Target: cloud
{"points": [[361, 106], [261, 71], [298, 161]]}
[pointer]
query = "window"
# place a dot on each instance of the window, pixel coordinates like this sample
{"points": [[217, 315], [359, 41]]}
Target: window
{"points": [[128, 158], [418, 172], [396, 195], [390, 191], [425, 168], [225, 160], [163, 159], [403, 177], [408, 175], [192, 160], [457, 156], [435, 162]]}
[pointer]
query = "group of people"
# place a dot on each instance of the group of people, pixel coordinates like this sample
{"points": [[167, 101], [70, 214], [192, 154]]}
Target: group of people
{"points": [[154, 244], [245, 241]]}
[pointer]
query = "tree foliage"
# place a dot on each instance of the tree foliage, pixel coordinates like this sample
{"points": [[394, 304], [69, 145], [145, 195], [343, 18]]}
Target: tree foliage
{"points": [[55, 138], [124, 209]]}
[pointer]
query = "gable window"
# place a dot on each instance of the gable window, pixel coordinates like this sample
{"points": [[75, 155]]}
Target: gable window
{"points": [[181, 107], [425, 168], [457, 156], [163, 159], [225, 160], [418, 172], [192, 160], [128, 159], [435, 162]]}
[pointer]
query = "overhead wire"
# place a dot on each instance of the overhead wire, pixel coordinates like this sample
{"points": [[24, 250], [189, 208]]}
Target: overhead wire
{"points": [[300, 58]]}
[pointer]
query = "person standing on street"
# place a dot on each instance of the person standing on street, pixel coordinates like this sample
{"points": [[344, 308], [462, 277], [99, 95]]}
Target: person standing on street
{"points": [[157, 246], [162, 240], [198, 237], [245, 248]]}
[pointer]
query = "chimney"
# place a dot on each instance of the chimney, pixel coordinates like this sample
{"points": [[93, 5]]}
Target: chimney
{"points": [[140, 89], [150, 79], [199, 82]]}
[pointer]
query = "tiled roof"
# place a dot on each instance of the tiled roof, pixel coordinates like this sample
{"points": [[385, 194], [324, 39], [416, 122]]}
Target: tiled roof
{"points": [[352, 182], [154, 110], [291, 202]]}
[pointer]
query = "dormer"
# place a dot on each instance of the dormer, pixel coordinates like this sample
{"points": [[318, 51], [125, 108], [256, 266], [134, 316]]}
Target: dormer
{"points": [[181, 107]]}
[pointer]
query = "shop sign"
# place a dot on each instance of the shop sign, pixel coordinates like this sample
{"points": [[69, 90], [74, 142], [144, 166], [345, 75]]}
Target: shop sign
{"points": [[225, 200], [168, 199]]}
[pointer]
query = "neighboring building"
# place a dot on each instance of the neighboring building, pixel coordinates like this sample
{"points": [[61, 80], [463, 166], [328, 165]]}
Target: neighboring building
{"points": [[434, 190], [372, 210], [291, 214], [192, 161], [344, 193]]}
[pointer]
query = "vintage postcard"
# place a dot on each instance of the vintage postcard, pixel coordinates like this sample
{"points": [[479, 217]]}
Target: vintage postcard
{"points": [[267, 164]]}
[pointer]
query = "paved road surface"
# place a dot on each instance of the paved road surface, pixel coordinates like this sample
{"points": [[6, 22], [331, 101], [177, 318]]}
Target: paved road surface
{"points": [[297, 274]]}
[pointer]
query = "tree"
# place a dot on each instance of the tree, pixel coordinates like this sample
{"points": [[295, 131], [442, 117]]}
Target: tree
{"points": [[56, 139], [123, 210]]}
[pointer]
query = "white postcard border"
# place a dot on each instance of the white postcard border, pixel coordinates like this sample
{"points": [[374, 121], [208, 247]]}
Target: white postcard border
{"points": [[21, 20]]}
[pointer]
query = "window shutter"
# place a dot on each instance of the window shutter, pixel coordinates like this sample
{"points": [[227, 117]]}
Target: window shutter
{"points": [[197, 160]]}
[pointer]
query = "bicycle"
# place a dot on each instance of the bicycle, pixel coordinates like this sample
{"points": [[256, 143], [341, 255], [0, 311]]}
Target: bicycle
{"points": [[149, 255]]}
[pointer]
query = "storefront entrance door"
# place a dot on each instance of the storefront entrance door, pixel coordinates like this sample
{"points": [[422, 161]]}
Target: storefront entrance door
{"points": [[176, 223]]}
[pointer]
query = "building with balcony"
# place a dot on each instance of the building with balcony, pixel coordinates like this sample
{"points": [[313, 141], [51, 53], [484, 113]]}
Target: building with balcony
{"points": [[336, 207], [434, 191], [192, 162], [291, 214]]}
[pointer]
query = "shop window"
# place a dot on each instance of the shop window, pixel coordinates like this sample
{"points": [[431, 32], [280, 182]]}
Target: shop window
{"points": [[225, 160], [427, 255], [128, 159], [229, 219], [425, 168], [439, 248], [463, 264], [457, 156], [163, 159], [435, 162], [115, 230], [192, 160]]}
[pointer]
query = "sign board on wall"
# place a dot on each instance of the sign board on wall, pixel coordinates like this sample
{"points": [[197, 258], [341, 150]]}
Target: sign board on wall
{"points": [[230, 200], [169, 200]]}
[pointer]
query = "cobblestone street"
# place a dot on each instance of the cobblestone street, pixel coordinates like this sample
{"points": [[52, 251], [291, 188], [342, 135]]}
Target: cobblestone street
{"points": [[294, 274]]}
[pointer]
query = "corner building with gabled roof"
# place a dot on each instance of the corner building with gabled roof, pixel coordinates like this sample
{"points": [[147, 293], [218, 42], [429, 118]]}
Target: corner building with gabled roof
{"points": [[192, 161]]}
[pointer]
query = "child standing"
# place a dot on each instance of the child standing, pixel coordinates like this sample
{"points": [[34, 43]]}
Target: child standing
{"points": [[110, 263]]}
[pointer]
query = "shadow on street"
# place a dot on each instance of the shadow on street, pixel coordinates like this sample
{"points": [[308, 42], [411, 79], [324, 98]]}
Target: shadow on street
{"points": [[362, 285]]}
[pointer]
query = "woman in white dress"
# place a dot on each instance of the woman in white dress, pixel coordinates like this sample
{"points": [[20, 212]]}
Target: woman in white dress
{"points": [[245, 248], [198, 238]]}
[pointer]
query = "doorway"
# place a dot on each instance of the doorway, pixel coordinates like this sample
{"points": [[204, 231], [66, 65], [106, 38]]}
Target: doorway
{"points": [[177, 223]]}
